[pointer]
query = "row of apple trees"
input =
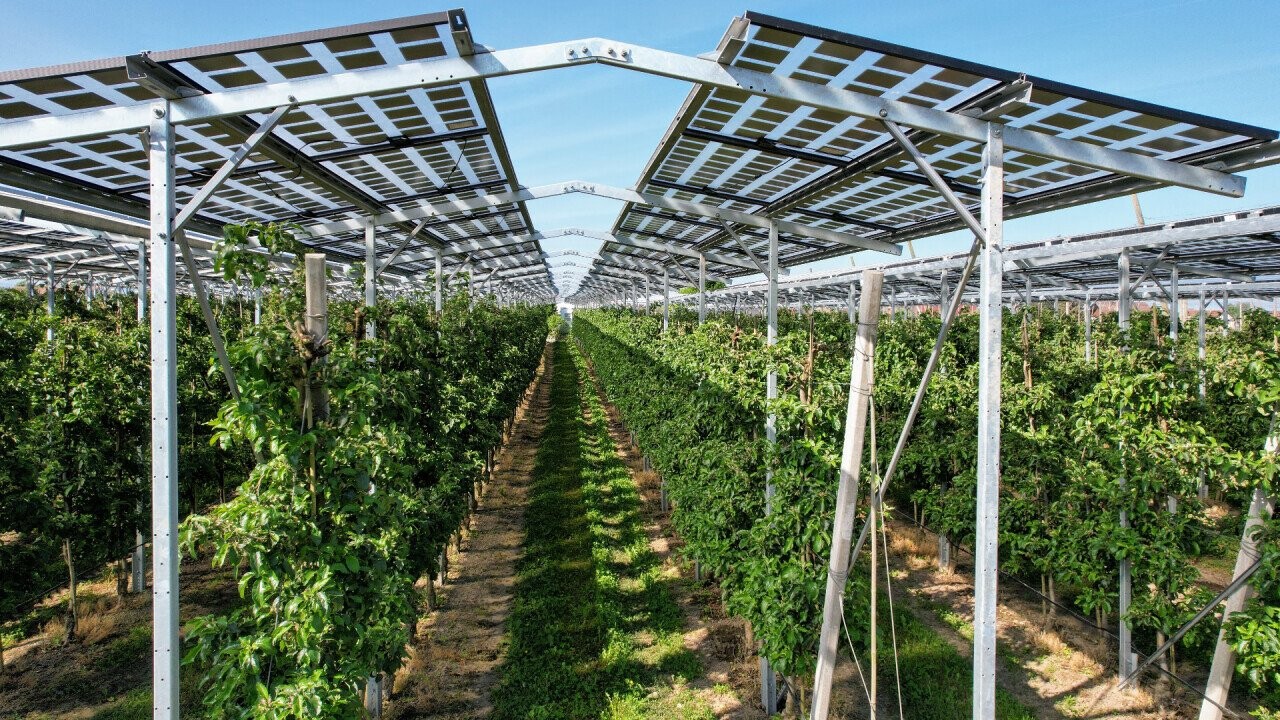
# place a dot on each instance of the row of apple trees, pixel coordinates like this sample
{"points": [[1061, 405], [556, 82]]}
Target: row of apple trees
{"points": [[74, 436], [368, 452], [1126, 429]]}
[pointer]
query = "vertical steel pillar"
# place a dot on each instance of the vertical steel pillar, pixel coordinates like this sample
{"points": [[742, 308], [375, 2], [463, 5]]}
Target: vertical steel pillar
{"points": [[439, 282], [702, 288], [139, 561], [370, 274], [1126, 659], [372, 686], [944, 541], [257, 307], [164, 421], [1088, 325], [1203, 490], [666, 298], [990, 319], [1171, 501], [768, 681], [49, 286]]}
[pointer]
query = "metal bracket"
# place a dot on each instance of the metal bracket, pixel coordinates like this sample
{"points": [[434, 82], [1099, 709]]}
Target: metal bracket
{"points": [[935, 179], [237, 158], [160, 80]]}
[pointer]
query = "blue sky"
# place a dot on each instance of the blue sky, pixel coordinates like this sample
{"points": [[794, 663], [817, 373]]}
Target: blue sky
{"points": [[1217, 57]]}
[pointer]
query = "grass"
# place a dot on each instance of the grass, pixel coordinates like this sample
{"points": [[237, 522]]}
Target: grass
{"points": [[937, 680], [594, 630]]}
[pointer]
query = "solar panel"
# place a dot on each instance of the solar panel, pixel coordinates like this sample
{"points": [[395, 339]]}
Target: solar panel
{"points": [[335, 160], [1234, 252], [770, 156]]}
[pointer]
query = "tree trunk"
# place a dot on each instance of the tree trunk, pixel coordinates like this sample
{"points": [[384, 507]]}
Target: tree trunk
{"points": [[122, 578], [73, 614], [1053, 598], [1164, 659]]}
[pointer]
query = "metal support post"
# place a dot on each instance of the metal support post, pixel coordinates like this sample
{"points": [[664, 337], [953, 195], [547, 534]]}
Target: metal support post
{"points": [[1203, 490], [139, 562], [370, 275], [855, 426], [702, 288], [1126, 658], [768, 681], [164, 420], [1171, 501], [439, 278], [50, 286], [1088, 325], [987, 524], [666, 299], [257, 307]]}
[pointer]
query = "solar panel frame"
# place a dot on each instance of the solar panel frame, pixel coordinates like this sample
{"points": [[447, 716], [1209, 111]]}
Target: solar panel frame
{"points": [[845, 173], [335, 160]]}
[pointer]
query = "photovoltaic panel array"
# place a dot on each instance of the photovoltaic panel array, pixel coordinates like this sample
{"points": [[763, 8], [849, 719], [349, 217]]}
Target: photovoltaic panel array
{"points": [[328, 161], [773, 157], [1234, 253]]}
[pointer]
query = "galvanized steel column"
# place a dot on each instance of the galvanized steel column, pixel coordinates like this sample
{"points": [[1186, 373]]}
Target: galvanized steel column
{"points": [[139, 549], [666, 298], [1203, 490], [768, 681], [702, 287], [990, 319], [370, 274], [1126, 659], [439, 282], [1088, 325], [164, 425], [49, 307]]}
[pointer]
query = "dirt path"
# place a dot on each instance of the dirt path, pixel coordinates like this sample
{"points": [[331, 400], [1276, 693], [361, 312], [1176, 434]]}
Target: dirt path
{"points": [[457, 649]]}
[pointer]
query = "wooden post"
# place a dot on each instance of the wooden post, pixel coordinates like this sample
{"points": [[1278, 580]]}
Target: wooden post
{"points": [[1224, 658], [316, 324], [847, 495]]}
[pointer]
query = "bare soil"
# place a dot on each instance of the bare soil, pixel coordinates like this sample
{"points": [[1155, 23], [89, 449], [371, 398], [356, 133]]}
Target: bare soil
{"points": [[457, 649]]}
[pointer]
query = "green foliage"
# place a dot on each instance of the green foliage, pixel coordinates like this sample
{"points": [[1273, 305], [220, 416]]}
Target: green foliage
{"points": [[710, 285], [369, 450], [1072, 429]]}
